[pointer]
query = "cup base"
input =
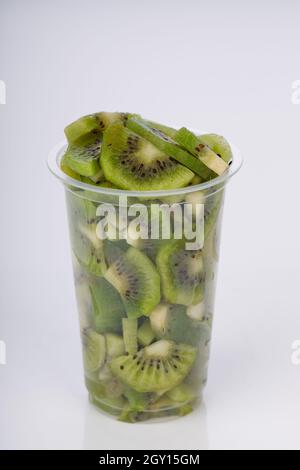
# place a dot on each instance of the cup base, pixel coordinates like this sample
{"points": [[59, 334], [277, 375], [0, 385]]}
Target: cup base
{"points": [[128, 415]]}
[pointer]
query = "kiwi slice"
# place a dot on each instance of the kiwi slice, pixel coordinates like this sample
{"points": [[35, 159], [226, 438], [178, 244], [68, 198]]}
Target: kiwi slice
{"points": [[181, 273], [132, 162], [167, 145], [108, 308], [160, 366], [137, 280], [114, 345], [219, 145], [145, 333], [87, 247], [181, 393], [216, 165], [171, 322], [94, 350], [92, 124], [68, 171], [83, 157], [130, 327]]}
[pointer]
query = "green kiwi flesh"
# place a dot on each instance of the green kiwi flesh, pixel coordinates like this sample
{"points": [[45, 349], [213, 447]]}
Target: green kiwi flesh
{"points": [[167, 145], [92, 125], [94, 350], [108, 308], [218, 144], [131, 162], [216, 165], [137, 281], [161, 366], [181, 273]]}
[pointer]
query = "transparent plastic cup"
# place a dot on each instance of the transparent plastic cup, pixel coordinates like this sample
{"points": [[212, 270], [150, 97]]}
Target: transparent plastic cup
{"points": [[146, 305]]}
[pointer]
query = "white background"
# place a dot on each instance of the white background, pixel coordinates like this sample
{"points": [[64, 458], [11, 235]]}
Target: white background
{"points": [[227, 67]]}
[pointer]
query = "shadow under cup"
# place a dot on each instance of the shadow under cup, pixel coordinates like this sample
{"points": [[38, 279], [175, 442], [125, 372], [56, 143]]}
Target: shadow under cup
{"points": [[145, 269]]}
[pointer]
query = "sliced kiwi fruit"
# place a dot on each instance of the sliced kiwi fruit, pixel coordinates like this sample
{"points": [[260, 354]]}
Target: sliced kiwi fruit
{"points": [[145, 333], [132, 162], [137, 401], [68, 171], [87, 247], [181, 273], [160, 366], [94, 350], [137, 280], [219, 145], [83, 156], [171, 322], [216, 165], [108, 308], [91, 125], [130, 327], [167, 145], [114, 345], [181, 393], [167, 130], [114, 249]]}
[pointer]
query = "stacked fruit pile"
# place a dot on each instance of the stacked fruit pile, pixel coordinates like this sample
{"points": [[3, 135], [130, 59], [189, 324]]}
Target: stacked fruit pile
{"points": [[145, 305]]}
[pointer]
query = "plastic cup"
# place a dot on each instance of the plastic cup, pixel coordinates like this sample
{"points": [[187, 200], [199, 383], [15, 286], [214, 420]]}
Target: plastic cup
{"points": [[175, 312]]}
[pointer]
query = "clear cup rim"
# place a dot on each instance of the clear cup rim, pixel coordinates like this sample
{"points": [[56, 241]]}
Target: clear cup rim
{"points": [[55, 155]]}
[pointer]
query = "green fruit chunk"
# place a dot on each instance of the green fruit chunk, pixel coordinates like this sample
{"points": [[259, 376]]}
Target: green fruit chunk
{"points": [[132, 162], [145, 334], [137, 281], [87, 247], [68, 171], [137, 401], [167, 145], [114, 345], [161, 366], [181, 393], [108, 308], [181, 273], [94, 350], [219, 145], [91, 125], [171, 322], [83, 158], [215, 164], [130, 326]]}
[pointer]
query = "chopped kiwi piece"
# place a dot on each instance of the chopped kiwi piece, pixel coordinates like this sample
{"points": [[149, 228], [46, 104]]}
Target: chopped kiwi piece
{"points": [[114, 345], [94, 350], [171, 322], [137, 280], [181, 273], [83, 157], [137, 401], [181, 393], [169, 131], [219, 145], [130, 326], [114, 249], [216, 165], [145, 333], [132, 162], [68, 171], [87, 247], [91, 125], [167, 145], [108, 308], [160, 366]]}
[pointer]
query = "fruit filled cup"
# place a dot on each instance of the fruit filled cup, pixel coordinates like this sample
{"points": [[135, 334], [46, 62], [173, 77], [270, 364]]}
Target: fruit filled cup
{"points": [[145, 205]]}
